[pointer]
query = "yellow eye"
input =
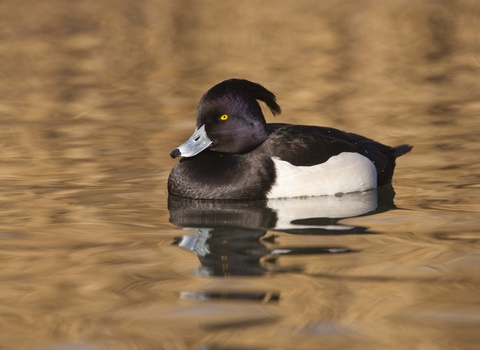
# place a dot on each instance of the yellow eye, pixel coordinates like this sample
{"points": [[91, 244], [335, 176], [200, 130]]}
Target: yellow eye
{"points": [[224, 117]]}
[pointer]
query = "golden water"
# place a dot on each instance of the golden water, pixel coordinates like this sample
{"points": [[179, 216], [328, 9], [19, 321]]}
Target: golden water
{"points": [[95, 95]]}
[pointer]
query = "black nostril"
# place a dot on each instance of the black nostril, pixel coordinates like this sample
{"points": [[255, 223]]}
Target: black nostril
{"points": [[197, 138]]}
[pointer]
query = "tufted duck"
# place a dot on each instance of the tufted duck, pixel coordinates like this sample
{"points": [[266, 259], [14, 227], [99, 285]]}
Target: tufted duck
{"points": [[235, 154]]}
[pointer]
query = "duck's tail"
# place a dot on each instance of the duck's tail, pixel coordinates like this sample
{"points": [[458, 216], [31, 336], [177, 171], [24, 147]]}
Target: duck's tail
{"points": [[401, 150]]}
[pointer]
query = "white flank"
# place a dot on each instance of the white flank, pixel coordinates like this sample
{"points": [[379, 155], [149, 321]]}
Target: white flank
{"points": [[344, 173]]}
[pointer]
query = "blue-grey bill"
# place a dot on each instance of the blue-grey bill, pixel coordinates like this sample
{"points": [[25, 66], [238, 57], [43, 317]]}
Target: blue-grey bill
{"points": [[194, 145]]}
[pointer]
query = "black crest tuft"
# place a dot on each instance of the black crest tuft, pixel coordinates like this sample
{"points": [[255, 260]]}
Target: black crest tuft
{"points": [[247, 89]]}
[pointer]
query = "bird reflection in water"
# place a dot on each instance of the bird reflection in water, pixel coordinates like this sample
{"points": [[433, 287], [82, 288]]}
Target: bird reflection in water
{"points": [[229, 235]]}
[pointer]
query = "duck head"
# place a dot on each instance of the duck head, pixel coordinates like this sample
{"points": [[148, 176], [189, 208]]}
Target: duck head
{"points": [[229, 119]]}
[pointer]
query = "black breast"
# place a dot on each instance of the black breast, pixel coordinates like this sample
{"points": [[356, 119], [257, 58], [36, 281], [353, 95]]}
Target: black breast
{"points": [[213, 175]]}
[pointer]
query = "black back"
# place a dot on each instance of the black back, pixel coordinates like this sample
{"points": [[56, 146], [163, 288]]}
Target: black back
{"points": [[303, 145]]}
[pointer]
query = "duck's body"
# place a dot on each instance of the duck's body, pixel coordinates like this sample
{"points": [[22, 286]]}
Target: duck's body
{"points": [[234, 154]]}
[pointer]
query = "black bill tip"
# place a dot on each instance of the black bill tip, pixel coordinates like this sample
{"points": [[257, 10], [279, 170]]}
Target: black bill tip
{"points": [[175, 153]]}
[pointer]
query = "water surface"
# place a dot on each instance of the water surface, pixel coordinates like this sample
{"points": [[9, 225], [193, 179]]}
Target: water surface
{"points": [[95, 255]]}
